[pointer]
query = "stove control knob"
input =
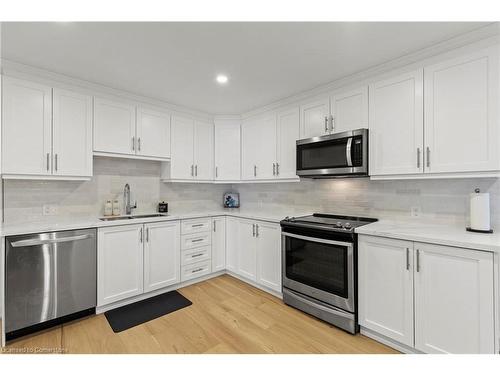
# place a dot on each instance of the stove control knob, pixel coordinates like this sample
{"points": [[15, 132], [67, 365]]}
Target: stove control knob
{"points": [[347, 226], [339, 224]]}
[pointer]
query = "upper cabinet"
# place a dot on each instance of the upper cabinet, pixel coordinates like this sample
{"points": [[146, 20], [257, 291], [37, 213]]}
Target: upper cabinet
{"points": [[396, 125], [121, 128], [192, 151], [439, 121], [268, 146], [46, 133], [344, 110], [227, 150]]}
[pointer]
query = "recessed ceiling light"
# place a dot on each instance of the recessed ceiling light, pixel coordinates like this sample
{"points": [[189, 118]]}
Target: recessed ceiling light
{"points": [[222, 79]]}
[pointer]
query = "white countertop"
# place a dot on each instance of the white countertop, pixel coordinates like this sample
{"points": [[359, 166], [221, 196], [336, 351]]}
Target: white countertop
{"points": [[94, 222], [440, 234]]}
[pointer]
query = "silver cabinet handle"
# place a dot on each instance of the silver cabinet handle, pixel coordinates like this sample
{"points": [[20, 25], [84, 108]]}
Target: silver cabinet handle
{"points": [[140, 235], [192, 170], [407, 258], [256, 230], [216, 172], [332, 124], [274, 169], [139, 144], [196, 225], [197, 270], [326, 124], [196, 170], [48, 161], [418, 157], [215, 227], [55, 165], [133, 143], [277, 169], [418, 260], [147, 234], [197, 240], [255, 171], [196, 255], [428, 156], [253, 230]]}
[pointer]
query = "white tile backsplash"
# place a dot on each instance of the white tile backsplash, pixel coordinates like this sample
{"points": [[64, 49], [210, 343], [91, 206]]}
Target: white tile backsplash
{"points": [[440, 200]]}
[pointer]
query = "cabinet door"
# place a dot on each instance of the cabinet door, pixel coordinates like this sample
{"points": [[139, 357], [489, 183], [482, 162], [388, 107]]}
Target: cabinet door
{"points": [[182, 148], [314, 118], [385, 279], [265, 147], [349, 110], [72, 133], [161, 255], [26, 127], [396, 125], [454, 311], [232, 243], [119, 263], [114, 127], [218, 244], [247, 251], [461, 114], [288, 131], [250, 133], [153, 133], [203, 151], [269, 255], [227, 151]]}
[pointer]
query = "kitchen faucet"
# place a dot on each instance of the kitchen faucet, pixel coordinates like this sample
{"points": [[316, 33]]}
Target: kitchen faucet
{"points": [[126, 199]]}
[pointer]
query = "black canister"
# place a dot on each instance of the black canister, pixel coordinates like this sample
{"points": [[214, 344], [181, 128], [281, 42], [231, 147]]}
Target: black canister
{"points": [[163, 207]]}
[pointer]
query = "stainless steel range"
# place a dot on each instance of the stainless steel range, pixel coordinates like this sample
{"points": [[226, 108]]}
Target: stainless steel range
{"points": [[320, 266]]}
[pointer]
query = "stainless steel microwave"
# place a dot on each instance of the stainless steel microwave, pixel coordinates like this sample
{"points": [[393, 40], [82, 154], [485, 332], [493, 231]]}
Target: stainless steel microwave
{"points": [[337, 155]]}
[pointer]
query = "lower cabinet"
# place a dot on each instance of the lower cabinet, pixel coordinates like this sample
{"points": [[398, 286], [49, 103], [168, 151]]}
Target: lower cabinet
{"points": [[218, 244], [436, 299], [134, 259], [247, 250], [269, 255], [232, 243]]}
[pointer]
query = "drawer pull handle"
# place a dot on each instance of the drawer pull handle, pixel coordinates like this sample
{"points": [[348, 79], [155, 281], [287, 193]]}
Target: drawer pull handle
{"points": [[196, 225], [197, 240], [197, 270], [196, 255]]}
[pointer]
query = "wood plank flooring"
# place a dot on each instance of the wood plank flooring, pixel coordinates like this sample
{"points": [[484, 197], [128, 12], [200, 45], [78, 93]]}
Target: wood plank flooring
{"points": [[227, 316]]}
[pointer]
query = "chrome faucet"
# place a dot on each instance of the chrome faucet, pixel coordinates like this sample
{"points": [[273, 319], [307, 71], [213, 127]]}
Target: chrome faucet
{"points": [[126, 200]]}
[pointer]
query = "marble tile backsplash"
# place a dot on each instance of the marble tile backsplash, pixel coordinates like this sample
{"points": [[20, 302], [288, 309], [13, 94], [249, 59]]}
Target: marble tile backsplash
{"points": [[440, 200]]}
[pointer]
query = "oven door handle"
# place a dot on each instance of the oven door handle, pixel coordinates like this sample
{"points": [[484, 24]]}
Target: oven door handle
{"points": [[314, 239]]}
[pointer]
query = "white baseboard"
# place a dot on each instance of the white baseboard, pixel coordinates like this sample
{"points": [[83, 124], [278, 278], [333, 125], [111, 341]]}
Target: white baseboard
{"points": [[253, 283], [388, 341]]}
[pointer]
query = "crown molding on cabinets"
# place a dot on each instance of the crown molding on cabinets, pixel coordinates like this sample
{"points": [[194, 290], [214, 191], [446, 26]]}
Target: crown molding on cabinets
{"points": [[31, 73], [476, 39]]}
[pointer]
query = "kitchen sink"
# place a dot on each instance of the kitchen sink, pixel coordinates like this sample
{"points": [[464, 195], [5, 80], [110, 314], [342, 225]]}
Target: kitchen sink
{"points": [[129, 217]]}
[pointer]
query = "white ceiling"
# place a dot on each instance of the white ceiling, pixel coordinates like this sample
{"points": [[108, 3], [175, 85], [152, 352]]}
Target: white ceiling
{"points": [[178, 62]]}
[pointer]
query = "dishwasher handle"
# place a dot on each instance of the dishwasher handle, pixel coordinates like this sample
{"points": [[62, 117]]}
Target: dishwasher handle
{"points": [[24, 243]]}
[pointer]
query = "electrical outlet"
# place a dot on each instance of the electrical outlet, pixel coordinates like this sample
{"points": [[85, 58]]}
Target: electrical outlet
{"points": [[415, 211], [49, 209]]}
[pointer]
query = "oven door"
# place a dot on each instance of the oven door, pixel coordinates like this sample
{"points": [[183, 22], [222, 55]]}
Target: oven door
{"points": [[319, 268]]}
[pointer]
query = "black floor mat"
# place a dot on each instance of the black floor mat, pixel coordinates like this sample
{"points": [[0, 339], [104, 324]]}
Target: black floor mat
{"points": [[136, 313]]}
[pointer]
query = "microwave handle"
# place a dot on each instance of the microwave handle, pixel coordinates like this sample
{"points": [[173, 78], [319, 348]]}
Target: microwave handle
{"points": [[348, 152]]}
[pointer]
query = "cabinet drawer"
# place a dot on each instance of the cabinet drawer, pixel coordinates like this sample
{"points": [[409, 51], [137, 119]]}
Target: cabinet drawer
{"points": [[195, 270], [195, 240], [199, 254], [196, 225]]}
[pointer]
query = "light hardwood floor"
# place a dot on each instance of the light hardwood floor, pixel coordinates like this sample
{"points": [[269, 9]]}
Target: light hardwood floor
{"points": [[227, 316]]}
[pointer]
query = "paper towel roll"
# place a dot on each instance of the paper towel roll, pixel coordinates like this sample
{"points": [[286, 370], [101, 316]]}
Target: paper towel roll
{"points": [[480, 211]]}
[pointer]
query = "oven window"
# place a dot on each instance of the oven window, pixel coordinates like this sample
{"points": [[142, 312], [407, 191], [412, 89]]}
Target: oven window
{"points": [[321, 266], [321, 155]]}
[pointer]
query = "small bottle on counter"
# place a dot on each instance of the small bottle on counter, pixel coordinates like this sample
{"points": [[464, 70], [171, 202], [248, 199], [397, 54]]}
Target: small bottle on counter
{"points": [[108, 208], [116, 207]]}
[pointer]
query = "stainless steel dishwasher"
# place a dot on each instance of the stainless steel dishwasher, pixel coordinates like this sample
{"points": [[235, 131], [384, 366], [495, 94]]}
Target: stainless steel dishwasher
{"points": [[50, 278]]}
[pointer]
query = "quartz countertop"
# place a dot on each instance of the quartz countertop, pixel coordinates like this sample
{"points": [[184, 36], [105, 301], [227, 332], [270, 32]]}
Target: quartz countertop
{"points": [[58, 224], [441, 234]]}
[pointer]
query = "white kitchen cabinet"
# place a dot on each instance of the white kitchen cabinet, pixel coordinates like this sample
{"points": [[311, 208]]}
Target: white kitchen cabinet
{"points": [[385, 280], [218, 244], [268, 241], [396, 123], [72, 133], [56, 129], [232, 243], [247, 249], [153, 133], [314, 118], [461, 114], [26, 110], [288, 132], [114, 127], [119, 263], [182, 148], [349, 110], [250, 133], [161, 255], [203, 151], [227, 150], [454, 311]]}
